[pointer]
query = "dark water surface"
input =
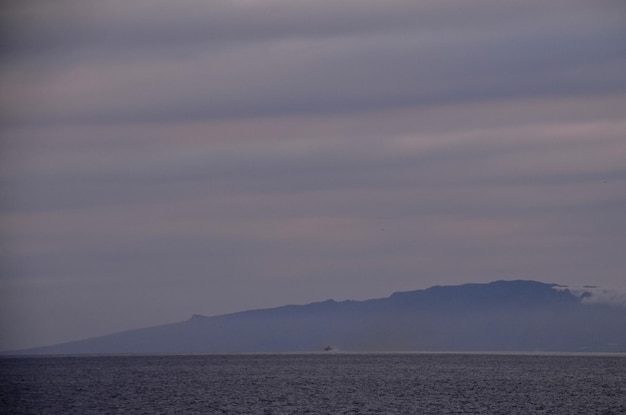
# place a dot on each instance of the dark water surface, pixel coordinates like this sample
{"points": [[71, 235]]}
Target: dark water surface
{"points": [[315, 384]]}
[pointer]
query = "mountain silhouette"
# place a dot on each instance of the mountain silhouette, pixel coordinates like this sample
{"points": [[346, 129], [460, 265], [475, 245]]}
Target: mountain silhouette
{"points": [[498, 316]]}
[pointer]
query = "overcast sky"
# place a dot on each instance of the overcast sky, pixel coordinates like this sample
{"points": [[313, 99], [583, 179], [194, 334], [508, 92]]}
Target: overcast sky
{"points": [[164, 158]]}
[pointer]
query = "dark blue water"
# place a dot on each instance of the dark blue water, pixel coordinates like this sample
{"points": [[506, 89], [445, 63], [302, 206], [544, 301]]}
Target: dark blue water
{"points": [[315, 384]]}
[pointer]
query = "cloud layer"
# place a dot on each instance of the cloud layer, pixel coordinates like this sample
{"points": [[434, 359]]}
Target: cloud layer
{"points": [[162, 159]]}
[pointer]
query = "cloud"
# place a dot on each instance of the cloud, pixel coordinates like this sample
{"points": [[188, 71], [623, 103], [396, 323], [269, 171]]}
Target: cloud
{"points": [[310, 59], [159, 24], [613, 297], [598, 295], [207, 157]]}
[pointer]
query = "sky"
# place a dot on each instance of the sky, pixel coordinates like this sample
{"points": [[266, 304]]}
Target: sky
{"points": [[161, 159]]}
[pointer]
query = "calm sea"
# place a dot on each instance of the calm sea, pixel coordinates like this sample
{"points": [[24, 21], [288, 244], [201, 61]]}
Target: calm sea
{"points": [[328, 383]]}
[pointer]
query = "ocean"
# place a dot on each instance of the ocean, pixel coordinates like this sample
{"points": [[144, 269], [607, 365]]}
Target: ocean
{"points": [[323, 383]]}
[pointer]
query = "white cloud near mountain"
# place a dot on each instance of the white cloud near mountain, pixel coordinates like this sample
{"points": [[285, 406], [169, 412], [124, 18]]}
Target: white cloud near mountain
{"points": [[598, 295]]}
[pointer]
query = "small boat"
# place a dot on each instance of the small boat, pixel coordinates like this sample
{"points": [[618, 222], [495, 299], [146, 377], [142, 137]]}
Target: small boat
{"points": [[328, 349]]}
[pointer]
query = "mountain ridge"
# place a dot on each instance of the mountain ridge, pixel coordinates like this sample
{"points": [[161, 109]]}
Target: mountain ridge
{"points": [[518, 315]]}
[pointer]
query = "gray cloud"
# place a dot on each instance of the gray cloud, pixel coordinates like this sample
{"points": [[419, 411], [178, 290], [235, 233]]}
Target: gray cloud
{"points": [[162, 159], [301, 60], [42, 27]]}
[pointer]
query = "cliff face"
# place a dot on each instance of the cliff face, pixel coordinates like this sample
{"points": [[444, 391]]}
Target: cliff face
{"points": [[499, 316]]}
